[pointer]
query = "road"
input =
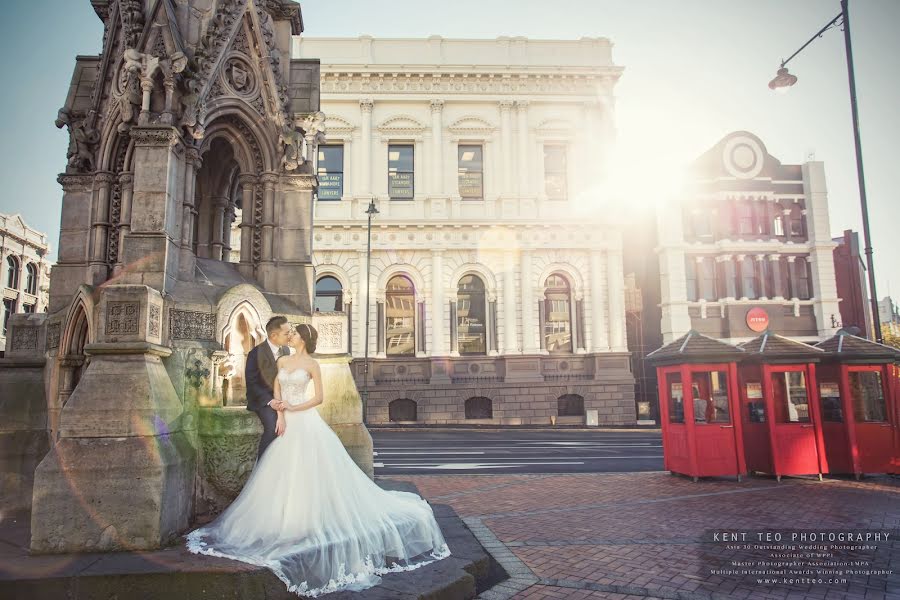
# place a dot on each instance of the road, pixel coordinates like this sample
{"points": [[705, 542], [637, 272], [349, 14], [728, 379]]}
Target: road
{"points": [[460, 451]]}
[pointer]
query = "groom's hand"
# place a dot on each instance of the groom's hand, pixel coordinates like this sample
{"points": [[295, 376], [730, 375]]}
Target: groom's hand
{"points": [[277, 405]]}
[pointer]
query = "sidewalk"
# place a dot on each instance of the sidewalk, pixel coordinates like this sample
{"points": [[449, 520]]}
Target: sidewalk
{"points": [[646, 535]]}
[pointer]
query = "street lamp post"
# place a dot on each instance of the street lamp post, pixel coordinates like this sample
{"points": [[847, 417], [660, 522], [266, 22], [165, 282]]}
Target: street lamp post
{"points": [[783, 80], [370, 211]]}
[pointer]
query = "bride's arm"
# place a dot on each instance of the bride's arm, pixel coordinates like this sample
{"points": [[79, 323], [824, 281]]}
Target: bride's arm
{"points": [[279, 421], [316, 374]]}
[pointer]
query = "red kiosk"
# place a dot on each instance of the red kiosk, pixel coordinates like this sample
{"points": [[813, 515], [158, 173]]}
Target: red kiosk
{"points": [[781, 416], [859, 389], [699, 406]]}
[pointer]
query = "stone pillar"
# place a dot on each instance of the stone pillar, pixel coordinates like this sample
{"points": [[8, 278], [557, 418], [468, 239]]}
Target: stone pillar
{"points": [[420, 329], [542, 323], [107, 437], [71, 269], [248, 194], [186, 258], [220, 203], [762, 292], [379, 329], [616, 287], [510, 334], [365, 159], [522, 180], [786, 223], [454, 332], [289, 273], [506, 132], [437, 148], [154, 240], [437, 303], [342, 410], [100, 226], [24, 434], [267, 226], [581, 348], [126, 187], [600, 337], [792, 277], [529, 343], [364, 303], [490, 326]]}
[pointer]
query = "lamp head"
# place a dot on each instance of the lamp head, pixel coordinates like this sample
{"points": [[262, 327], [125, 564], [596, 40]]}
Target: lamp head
{"points": [[371, 211], [782, 80]]}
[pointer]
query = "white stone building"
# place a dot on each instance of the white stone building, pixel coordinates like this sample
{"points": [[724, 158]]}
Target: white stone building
{"points": [[749, 246], [24, 269], [496, 285]]}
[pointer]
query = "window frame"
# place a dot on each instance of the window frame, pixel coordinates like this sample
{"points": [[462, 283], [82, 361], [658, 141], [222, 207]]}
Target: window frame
{"points": [[412, 170], [323, 148], [563, 172], [459, 151]]}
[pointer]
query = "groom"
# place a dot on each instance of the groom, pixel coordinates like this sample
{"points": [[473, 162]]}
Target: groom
{"points": [[260, 376]]}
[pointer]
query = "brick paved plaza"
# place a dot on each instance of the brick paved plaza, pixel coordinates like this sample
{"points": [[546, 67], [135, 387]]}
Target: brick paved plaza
{"points": [[641, 535]]}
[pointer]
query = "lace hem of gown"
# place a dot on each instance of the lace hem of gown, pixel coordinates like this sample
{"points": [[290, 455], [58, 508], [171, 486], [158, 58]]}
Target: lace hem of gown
{"points": [[196, 545]]}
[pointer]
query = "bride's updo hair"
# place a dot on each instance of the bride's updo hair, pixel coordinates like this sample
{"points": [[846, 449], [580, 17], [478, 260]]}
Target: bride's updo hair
{"points": [[309, 335]]}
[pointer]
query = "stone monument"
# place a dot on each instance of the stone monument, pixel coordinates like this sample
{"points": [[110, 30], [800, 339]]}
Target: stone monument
{"points": [[129, 393]]}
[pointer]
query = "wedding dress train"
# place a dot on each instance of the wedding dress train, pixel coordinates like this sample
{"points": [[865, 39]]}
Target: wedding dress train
{"points": [[310, 515]]}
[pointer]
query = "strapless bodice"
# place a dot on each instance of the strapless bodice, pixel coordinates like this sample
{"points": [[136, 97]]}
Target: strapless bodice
{"points": [[293, 385]]}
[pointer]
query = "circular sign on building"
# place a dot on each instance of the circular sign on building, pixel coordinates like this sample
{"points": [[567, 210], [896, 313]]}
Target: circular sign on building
{"points": [[757, 319]]}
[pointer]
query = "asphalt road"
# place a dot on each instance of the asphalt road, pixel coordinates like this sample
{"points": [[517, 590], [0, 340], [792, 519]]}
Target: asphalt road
{"points": [[461, 451]]}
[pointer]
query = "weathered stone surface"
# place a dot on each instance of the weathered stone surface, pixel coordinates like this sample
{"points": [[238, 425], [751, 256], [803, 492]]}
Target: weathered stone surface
{"points": [[24, 439], [342, 409]]}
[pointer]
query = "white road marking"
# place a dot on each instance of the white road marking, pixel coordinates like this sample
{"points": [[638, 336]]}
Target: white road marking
{"points": [[466, 466], [520, 459]]}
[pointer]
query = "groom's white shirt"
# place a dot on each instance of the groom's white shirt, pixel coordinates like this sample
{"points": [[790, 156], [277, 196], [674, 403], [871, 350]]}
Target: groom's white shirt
{"points": [[273, 347]]}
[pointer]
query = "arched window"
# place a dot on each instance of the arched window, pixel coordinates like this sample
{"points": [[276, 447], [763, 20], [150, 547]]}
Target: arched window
{"points": [[12, 273], [400, 317], [479, 407], [471, 316], [31, 275], [329, 295], [558, 314], [570, 405], [402, 409]]}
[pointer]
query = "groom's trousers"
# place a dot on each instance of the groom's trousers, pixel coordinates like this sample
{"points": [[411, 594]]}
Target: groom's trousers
{"points": [[268, 417]]}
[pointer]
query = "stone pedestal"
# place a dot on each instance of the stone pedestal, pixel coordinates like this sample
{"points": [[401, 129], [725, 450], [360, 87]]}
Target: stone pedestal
{"points": [[121, 475], [24, 439], [342, 410]]}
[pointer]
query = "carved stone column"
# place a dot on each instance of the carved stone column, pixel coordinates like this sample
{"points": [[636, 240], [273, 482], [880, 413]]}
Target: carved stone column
{"points": [[187, 258], [508, 150], [437, 148], [600, 336], [454, 332], [72, 266], [365, 159], [491, 325], [219, 203], [616, 286], [126, 184], [522, 179], [510, 301], [379, 328], [268, 223], [775, 266], [363, 305], [100, 224], [437, 303], [248, 193], [529, 345]]}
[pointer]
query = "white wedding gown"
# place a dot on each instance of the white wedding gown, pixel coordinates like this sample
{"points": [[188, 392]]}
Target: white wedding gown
{"points": [[310, 515]]}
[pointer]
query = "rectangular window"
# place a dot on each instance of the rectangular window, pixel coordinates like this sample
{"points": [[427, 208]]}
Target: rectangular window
{"points": [[745, 218], [331, 172], [470, 172], [791, 403], [803, 288], [555, 172], [830, 394], [690, 269], [707, 277], [400, 172], [868, 397], [676, 398], [711, 397]]}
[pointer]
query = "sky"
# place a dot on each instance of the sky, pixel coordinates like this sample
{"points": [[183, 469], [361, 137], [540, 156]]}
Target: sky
{"points": [[695, 70]]}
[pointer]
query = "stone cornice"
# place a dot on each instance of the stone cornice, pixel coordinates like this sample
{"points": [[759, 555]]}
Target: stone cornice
{"points": [[76, 183], [348, 80], [155, 136]]}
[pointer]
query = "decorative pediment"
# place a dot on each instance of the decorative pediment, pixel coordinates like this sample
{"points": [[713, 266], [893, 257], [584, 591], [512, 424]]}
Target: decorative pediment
{"points": [[337, 127], [555, 127], [401, 125], [471, 125]]}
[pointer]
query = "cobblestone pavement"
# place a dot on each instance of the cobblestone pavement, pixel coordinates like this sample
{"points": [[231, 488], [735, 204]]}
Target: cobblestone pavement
{"points": [[648, 535]]}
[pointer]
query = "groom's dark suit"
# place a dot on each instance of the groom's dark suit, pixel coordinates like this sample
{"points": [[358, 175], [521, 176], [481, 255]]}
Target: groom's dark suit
{"points": [[260, 374]]}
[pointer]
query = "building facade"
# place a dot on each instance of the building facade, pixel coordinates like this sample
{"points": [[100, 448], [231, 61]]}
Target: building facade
{"points": [[852, 288], [495, 282], [24, 269], [748, 248]]}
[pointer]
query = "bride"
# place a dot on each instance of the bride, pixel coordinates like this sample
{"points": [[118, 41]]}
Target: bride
{"points": [[307, 512]]}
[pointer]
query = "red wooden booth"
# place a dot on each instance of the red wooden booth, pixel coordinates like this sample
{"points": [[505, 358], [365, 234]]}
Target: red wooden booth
{"points": [[858, 384], [698, 403], [781, 416]]}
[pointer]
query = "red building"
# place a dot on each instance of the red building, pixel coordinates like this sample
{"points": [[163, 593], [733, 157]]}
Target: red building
{"points": [[850, 275]]}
